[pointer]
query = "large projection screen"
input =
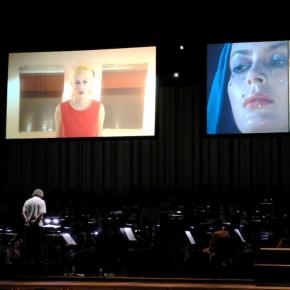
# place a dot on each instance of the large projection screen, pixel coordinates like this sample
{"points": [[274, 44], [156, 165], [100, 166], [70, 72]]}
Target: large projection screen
{"points": [[248, 87], [123, 83]]}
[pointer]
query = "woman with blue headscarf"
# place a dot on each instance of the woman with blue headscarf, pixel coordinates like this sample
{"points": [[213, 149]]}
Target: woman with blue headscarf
{"points": [[249, 92]]}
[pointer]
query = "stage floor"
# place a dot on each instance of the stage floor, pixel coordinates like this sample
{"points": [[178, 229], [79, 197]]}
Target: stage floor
{"points": [[140, 283]]}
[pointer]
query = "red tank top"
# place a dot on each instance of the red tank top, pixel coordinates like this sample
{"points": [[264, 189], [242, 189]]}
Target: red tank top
{"points": [[76, 123]]}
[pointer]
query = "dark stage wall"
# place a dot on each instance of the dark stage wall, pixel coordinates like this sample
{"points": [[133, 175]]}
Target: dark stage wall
{"points": [[114, 166], [180, 161]]}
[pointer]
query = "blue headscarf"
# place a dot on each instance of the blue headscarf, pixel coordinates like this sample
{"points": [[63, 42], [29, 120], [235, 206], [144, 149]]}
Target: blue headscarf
{"points": [[218, 107]]}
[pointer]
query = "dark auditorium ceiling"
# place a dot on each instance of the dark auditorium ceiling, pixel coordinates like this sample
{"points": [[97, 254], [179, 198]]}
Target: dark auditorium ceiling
{"points": [[44, 28]]}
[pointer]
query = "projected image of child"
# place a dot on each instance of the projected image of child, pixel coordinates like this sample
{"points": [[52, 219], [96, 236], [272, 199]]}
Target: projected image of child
{"points": [[249, 92], [82, 115]]}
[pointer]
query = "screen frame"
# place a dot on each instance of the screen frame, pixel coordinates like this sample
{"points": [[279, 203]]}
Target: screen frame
{"points": [[207, 86], [113, 54]]}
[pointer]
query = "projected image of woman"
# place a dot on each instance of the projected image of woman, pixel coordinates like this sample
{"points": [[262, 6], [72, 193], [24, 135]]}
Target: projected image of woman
{"points": [[249, 93], [81, 115]]}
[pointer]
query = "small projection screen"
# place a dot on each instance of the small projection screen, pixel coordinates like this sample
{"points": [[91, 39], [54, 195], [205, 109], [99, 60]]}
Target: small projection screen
{"points": [[60, 94], [248, 87]]}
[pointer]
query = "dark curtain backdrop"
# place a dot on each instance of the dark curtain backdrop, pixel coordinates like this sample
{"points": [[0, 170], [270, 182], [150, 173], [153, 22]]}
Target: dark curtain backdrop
{"points": [[180, 162]]}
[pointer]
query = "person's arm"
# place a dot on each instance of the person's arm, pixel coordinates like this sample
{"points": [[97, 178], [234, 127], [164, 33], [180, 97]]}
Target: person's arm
{"points": [[37, 218], [24, 214], [211, 244], [57, 121], [101, 119]]}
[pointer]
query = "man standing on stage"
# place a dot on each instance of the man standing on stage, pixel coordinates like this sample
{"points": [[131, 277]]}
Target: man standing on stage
{"points": [[33, 210]]}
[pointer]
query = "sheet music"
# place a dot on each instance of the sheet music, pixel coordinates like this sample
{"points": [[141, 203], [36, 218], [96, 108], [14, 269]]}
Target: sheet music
{"points": [[190, 237], [69, 240], [237, 231], [130, 235]]}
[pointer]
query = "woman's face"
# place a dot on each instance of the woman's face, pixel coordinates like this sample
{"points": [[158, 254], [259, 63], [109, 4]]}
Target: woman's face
{"points": [[258, 86], [82, 83]]}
